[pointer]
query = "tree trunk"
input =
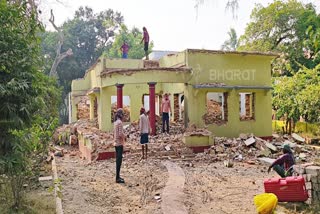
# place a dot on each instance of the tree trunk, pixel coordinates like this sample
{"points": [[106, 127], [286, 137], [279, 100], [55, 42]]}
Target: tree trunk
{"points": [[59, 56]]}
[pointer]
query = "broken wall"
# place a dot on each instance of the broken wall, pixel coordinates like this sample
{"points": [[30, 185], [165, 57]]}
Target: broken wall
{"points": [[230, 70], [261, 126]]}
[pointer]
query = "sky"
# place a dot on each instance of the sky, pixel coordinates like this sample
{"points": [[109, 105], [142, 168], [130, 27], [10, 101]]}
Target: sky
{"points": [[172, 24]]}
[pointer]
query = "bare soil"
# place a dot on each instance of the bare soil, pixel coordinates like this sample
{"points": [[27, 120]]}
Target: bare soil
{"points": [[210, 187]]}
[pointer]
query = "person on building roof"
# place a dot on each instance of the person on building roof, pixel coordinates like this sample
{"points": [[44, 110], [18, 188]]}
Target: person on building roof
{"points": [[284, 164], [145, 39], [125, 49], [144, 127], [119, 139], [166, 109]]}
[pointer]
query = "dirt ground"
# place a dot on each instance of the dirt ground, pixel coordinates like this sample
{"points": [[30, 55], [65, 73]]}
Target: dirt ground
{"points": [[91, 188], [209, 187]]}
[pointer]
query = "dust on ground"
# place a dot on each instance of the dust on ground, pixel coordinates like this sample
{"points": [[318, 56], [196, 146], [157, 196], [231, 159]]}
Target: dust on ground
{"points": [[91, 188], [209, 188]]}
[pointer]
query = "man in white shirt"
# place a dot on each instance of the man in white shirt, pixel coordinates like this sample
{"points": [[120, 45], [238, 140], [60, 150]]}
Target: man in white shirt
{"points": [[144, 127]]}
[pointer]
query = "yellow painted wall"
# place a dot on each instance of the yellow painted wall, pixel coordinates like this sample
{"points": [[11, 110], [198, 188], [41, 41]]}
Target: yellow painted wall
{"points": [[261, 126], [172, 88], [158, 76], [175, 60], [231, 69], [134, 91], [124, 63]]}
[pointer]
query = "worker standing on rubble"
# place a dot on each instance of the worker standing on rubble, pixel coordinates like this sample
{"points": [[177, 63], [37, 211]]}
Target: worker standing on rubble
{"points": [[125, 49], [119, 139], [166, 109], [144, 128], [284, 164], [145, 39]]}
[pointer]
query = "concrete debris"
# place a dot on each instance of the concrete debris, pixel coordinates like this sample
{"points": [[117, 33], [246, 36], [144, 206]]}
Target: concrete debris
{"points": [[267, 161], [126, 112], [302, 156], [46, 178], [297, 137], [276, 136], [73, 140], [168, 147], [58, 153], [214, 113], [250, 141], [292, 145], [228, 163], [271, 147], [192, 130]]}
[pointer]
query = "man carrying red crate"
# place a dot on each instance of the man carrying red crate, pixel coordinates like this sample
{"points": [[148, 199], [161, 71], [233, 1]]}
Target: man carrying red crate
{"points": [[284, 164]]}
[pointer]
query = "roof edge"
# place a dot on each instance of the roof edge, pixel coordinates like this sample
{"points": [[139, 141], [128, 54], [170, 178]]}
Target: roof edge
{"points": [[256, 53]]}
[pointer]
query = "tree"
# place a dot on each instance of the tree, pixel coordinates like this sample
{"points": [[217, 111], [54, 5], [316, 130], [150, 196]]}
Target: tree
{"points": [[133, 38], [232, 43], [281, 27], [88, 35], [298, 96], [59, 56], [28, 97]]}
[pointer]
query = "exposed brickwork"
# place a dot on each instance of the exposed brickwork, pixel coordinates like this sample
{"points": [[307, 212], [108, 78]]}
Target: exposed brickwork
{"points": [[311, 175], [83, 108], [214, 114], [249, 107], [176, 107]]}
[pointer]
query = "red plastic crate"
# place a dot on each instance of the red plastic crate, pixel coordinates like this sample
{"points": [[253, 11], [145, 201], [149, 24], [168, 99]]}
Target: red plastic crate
{"points": [[287, 189]]}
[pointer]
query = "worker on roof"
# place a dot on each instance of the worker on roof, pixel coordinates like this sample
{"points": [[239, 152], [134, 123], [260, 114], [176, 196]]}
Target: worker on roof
{"points": [[145, 39], [144, 127], [125, 49], [284, 164]]}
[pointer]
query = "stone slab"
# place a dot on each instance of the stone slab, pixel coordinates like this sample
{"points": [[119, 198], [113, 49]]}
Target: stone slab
{"points": [[249, 141], [297, 137], [313, 170]]}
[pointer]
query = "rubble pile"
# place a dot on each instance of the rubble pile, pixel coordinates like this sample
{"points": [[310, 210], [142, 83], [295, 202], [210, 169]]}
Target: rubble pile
{"points": [[83, 108], [214, 112], [126, 111], [193, 130], [71, 134], [248, 148], [62, 134]]}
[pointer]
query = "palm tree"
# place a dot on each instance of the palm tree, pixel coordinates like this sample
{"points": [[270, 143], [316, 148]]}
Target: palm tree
{"points": [[232, 43]]}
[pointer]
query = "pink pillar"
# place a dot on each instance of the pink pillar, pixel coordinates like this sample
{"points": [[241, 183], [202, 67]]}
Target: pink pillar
{"points": [[119, 96], [152, 106]]}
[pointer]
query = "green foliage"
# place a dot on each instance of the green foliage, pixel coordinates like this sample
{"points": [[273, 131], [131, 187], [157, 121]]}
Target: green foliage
{"points": [[29, 99], [88, 34], [298, 95], [281, 27], [232, 43], [133, 37]]}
